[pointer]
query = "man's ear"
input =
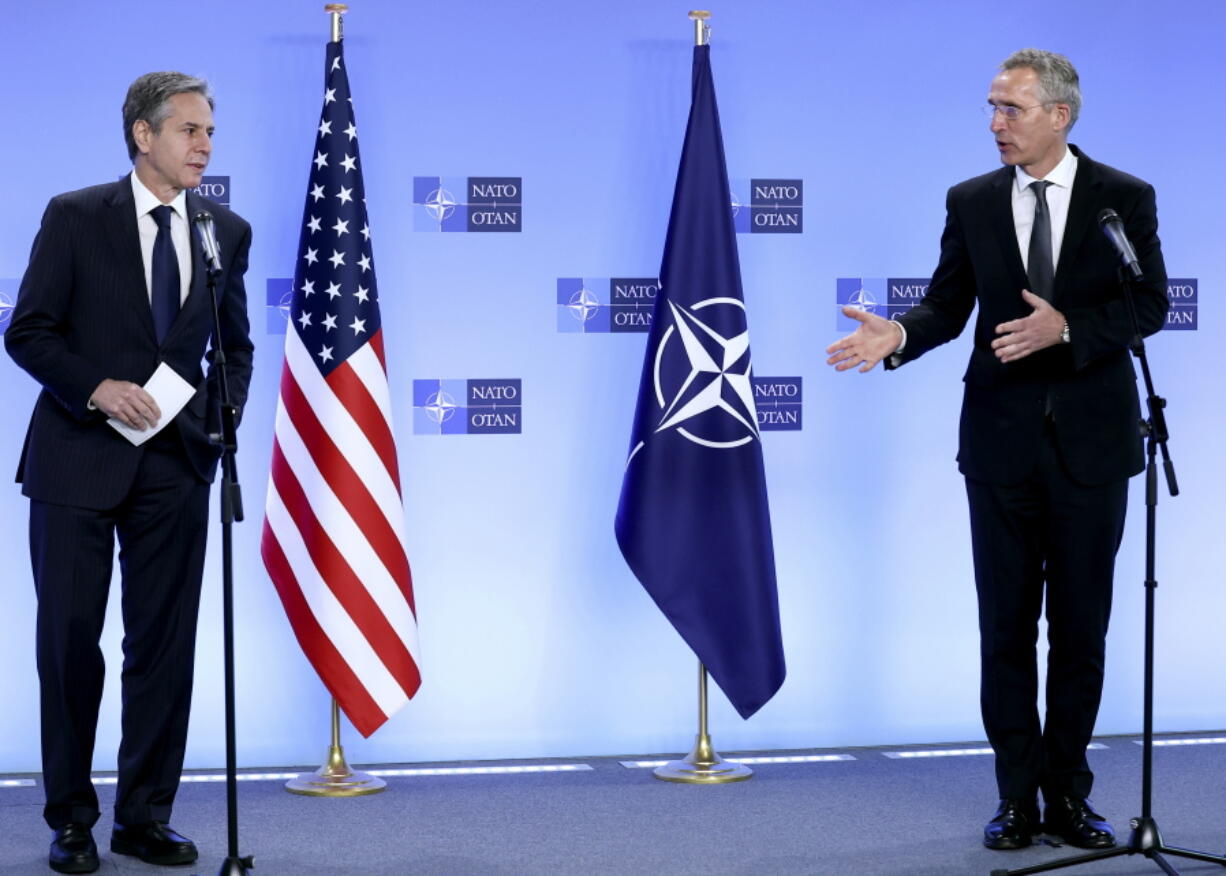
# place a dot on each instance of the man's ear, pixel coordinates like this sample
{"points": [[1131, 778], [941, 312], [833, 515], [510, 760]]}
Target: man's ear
{"points": [[1062, 116], [141, 132]]}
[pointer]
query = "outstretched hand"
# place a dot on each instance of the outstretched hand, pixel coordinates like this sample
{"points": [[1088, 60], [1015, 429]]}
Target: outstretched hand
{"points": [[875, 339], [1021, 337]]}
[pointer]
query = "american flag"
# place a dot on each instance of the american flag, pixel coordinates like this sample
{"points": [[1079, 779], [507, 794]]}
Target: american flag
{"points": [[333, 538]]}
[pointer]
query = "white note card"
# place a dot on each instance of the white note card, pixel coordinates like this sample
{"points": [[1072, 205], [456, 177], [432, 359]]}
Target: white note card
{"points": [[170, 391]]}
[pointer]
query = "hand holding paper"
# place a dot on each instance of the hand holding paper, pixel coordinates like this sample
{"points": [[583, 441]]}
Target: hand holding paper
{"points": [[170, 393]]}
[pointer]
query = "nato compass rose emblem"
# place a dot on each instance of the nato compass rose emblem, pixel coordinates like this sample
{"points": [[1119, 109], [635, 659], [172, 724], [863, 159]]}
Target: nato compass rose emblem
{"points": [[862, 300], [440, 204], [285, 304], [702, 378], [583, 305], [440, 407], [6, 310]]}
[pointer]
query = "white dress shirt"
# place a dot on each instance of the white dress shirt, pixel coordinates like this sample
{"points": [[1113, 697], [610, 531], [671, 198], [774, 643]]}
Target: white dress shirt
{"points": [[148, 227], [1059, 193]]}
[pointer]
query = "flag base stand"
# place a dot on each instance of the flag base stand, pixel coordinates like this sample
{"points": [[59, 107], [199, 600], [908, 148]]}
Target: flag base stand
{"points": [[703, 766], [335, 778]]}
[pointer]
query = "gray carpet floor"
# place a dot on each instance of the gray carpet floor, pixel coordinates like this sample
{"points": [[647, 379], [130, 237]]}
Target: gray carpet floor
{"points": [[872, 816]]}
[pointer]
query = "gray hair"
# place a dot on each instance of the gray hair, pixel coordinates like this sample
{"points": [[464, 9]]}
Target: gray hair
{"points": [[1058, 78], [149, 97]]}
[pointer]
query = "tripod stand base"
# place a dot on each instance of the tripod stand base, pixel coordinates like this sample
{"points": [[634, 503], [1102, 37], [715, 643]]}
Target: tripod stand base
{"points": [[236, 866], [1145, 839]]}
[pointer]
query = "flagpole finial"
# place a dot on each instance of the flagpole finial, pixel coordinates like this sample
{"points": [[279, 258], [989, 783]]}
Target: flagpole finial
{"points": [[702, 30], [336, 10]]}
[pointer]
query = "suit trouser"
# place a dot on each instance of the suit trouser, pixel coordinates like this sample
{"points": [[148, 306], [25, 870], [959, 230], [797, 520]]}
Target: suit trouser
{"points": [[161, 526], [1047, 530]]}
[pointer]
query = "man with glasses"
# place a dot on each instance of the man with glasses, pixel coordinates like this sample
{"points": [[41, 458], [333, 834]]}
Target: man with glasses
{"points": [[1048, 436]]}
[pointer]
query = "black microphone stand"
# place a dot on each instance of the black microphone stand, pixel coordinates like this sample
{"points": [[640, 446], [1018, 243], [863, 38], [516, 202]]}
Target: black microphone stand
{"points": [[1144, 838], [231, 511]]}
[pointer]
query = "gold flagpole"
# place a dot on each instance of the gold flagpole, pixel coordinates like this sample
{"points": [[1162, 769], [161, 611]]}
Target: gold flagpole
{"points": [[702, 766], [335, 778]]}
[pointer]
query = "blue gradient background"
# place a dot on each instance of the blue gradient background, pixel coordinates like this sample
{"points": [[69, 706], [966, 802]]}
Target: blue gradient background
{"points": [[536, 640]]}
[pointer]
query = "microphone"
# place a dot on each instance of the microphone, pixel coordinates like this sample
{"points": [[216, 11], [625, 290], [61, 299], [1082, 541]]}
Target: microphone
{"points": [[1113, 227], [208, 241]]}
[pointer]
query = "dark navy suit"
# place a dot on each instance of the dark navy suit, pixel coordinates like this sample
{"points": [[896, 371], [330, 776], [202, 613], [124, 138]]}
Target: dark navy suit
{"points": [[1047, 444], [83, 315]]}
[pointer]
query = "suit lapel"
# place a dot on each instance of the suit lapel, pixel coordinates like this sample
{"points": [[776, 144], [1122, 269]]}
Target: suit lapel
{"points": [[123, 239], [1080, 215], [197, 290], [1000, 218]]}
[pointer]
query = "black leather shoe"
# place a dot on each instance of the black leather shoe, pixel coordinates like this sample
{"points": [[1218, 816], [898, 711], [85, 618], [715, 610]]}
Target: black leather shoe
{"points": [[1079, 825], [1013, 826], [73, 850], [153, 843]]}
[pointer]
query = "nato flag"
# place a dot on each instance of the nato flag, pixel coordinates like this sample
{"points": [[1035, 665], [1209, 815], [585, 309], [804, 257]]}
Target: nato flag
{"points": [[693, 521]]}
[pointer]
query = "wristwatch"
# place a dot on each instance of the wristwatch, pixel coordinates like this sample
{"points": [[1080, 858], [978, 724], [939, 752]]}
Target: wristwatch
{"points": [[1064, 339]]}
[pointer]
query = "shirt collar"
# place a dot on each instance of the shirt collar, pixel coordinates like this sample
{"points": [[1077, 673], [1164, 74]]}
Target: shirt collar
{"points": [[1061, 175], [147, 200]]}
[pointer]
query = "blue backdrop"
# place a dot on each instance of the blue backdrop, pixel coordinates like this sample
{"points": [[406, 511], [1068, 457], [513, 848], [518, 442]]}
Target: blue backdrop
{"points": [[536, 639]]}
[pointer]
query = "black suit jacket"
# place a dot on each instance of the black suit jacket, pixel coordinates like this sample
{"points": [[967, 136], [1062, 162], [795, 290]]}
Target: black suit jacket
{"points": [[83, 315], [1090, 381]]}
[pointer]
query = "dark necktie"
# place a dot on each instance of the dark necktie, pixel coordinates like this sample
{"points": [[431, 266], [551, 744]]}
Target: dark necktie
{"points": [[1038, 265], [164, 280]]}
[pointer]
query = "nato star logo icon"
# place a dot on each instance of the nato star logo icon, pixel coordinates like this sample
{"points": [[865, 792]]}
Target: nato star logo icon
{"points": [[440, 407], [714, 378], [284, 305], [6, 309], [440, 204], [583, 304], [863, 300]]}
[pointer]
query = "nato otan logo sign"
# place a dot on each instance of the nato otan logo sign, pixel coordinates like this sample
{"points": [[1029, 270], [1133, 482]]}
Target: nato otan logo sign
{"points": [[278, 295], [778, 401], [474, 203], [1184, 299], [603, 305], [885, 297], [8, 297], [215, 188], [768, 206], [468, 407]]}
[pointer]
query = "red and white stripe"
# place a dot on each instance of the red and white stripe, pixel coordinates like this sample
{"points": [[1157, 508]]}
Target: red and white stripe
{"points": [[333, 538]]}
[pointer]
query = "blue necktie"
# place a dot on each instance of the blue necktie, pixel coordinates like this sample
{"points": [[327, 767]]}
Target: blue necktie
{"points": [[164, 282]]}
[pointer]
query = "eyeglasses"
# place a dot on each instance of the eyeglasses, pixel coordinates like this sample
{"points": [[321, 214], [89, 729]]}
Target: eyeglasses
{"points": [[1011, 113]]}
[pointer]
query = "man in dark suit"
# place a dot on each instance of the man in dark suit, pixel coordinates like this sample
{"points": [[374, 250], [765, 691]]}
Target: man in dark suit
{"points": [[116, 288], [1049, 432]]}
